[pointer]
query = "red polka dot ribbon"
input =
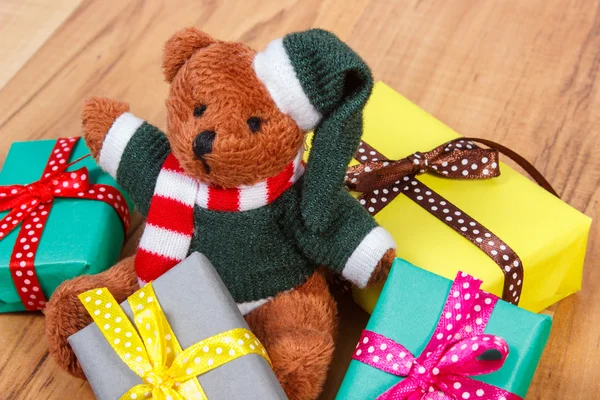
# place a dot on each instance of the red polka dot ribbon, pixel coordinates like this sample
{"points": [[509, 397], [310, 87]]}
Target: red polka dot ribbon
{"points": [[30, 205], [458, 349], [382, 180]]}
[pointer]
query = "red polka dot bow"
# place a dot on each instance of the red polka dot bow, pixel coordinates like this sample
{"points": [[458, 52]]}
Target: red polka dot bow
{"points": [[458, 349], [458, 159], [30, 205]]}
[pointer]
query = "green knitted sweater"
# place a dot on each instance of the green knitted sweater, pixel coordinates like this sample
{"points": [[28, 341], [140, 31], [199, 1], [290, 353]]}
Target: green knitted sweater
{"points": [[258, 252]]}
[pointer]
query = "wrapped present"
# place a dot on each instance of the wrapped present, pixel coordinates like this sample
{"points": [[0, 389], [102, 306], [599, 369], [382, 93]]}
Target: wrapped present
{"points": [[59, 219], [431, 338], [453, 205], [182, 336]]}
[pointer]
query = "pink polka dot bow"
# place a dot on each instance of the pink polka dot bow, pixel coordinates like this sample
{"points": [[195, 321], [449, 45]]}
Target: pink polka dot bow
{"points": [[31, 204], [457, 350]]}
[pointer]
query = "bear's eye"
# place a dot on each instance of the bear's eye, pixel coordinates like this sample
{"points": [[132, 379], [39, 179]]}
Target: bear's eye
{"points": [[254, 124], [198, 111]]}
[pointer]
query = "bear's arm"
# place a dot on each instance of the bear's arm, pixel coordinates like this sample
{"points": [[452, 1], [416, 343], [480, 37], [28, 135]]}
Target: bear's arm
{"points": [[353, 245], [130, 149]]}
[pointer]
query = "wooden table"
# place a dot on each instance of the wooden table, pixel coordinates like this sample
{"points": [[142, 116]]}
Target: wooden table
{"points": [[522, 72]]}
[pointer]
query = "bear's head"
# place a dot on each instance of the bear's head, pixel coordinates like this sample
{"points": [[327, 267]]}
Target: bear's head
{"points": [[223, 125], [237, 116]]}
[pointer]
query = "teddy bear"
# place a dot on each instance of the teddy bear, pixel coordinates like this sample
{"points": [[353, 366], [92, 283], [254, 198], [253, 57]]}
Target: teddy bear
{"points": [[228, 179]]}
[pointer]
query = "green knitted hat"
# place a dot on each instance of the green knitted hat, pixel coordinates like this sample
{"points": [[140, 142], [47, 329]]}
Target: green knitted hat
{"points": [[321, 83]]}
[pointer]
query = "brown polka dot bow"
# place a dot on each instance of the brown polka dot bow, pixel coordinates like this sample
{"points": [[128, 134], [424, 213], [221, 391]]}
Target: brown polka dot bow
{"points": [[380, 180], [459, 159]]}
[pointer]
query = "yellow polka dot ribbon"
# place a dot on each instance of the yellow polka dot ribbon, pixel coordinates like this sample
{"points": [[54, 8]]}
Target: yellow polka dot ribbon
{"points": [[152, 350]]}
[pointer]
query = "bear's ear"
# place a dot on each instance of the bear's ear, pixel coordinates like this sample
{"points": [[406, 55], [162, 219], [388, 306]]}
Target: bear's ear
{"points": [[180, 47]]}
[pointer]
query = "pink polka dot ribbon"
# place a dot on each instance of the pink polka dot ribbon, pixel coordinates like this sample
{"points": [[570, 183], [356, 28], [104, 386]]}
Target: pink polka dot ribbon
{"points": [[458, 349], [30, 206], [382, 180]]}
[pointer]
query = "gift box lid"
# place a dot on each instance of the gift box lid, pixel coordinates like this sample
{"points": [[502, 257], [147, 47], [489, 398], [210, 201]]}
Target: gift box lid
{"points": [[408, 311], [197, 306], [80, 236]]}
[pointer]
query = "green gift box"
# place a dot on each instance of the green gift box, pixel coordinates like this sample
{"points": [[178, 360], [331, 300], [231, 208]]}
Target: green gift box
{"points": [[408, 312], [81, 236]]}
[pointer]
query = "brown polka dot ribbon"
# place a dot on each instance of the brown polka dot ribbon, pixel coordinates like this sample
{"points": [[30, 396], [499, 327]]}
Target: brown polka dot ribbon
{"points": [[458, 159], [30, 205], [381, 180]]}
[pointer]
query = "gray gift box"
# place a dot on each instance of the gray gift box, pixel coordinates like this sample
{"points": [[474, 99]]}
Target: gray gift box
{"points": [[197, 305]]}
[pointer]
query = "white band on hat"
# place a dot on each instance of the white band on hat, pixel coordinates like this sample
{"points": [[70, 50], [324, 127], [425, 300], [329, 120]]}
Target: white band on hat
{"points": [[274, 69]]}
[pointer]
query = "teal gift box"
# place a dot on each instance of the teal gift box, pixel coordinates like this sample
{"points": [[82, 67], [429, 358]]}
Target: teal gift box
{"points": [[408, 312], [81, 236]]}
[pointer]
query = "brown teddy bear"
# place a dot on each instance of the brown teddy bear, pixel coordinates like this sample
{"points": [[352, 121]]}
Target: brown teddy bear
{"points": [[227, 179]]}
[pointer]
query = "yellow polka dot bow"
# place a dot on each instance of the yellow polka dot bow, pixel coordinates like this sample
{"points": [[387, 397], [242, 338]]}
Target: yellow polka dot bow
{"points": [[152, 350]]}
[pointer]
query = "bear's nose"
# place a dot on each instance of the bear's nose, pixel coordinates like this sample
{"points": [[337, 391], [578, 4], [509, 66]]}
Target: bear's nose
{"points": [[203, 143]]}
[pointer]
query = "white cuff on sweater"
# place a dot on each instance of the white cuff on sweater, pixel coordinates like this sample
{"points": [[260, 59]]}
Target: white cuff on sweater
{"points": [[248, 307], [116, 140], [366, 256]]}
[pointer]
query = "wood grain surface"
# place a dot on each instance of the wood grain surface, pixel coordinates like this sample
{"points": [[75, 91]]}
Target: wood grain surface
{"points": [[522, 72]]}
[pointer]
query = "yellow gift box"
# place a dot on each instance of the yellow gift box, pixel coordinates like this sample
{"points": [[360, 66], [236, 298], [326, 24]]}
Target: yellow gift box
{"points": [[549, 236]]}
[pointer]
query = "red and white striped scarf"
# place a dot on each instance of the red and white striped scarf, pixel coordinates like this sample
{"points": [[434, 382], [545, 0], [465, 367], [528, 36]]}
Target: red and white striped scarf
{"points": [[170, 223]]}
